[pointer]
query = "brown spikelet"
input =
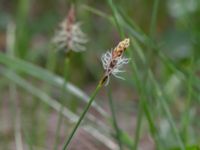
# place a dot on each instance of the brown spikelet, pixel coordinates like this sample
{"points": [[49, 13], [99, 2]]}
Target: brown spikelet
{"points": [[114, 60], [121, 47], [69, 37], [70, 18]]}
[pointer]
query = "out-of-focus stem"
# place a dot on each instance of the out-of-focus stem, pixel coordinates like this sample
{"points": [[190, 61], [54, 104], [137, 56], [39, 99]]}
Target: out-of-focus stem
{"points": [[66, 77], [15, 111], [114, 120]]}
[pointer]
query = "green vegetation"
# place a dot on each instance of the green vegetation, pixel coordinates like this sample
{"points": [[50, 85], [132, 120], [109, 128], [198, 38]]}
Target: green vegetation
{"points": [[47, 89]]}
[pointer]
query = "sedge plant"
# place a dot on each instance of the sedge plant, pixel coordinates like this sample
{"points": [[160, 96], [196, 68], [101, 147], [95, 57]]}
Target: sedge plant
{"points": [[69, 38], [112, 63]]}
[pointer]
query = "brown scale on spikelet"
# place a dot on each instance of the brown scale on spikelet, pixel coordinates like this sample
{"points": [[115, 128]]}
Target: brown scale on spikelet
{"points": [[70, 19], [121, 47]]}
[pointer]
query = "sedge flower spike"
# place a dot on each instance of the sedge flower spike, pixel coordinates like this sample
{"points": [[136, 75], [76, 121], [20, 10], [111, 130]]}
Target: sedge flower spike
{"points": [[113, 61], [70, 35]]}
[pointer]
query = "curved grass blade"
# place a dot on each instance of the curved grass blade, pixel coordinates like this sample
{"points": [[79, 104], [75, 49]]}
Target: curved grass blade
{"points": [[42, 74], [56, 105]]}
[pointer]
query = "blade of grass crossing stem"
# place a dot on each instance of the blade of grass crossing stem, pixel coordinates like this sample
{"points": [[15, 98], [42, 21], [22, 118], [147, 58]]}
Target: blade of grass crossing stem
{"points": [[138, 126], [82, 116], [145, 106], [152, 30], [28, 139], [154, 17], [55, 105], [51, 59], [42, 74], [135, 33], [142, 107], [40, 94], [116, 17], [131, 26], [152, 126], [156, 83], [126, 21], [114, 119], [13, 92], [163, 57], [58, 126], [97, 12], [150, 56], [50, 66], [154, 80], [160, 54], [22, 34], [168, 114], [167, 111], [186, 117]]}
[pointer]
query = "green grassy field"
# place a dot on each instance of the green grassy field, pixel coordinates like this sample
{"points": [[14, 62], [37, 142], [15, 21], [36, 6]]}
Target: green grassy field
{"points": [[52, 93]]}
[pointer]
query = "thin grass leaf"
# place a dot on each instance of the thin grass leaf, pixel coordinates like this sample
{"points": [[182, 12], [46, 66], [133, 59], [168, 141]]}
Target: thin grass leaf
{"points": [[141, 90], [167, 111], [13, 92], [44, 75], [154, 17], [97, 12], [40, 94], [186, 114], [138, 126], [56, 106], [22, 33], [114, 119]]}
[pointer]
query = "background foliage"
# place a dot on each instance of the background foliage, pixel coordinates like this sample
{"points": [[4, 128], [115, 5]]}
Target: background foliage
{"points": [[42, 96]]}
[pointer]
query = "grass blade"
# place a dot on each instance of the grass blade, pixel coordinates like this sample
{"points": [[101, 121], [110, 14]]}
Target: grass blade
{"points": [[40, 94], [42, 74], [114, 119], [56, 105]]}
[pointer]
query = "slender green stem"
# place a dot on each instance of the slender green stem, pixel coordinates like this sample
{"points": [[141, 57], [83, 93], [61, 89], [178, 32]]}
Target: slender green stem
{"points": [[22, 34], [58, 126], [165, 107], [13, 92], [116, 17], [150, 52], [114, 119], [145, 107], [51, 58], [16, 116], [82, 115], [151, 121], [186, 117], [97, 12], [50, 66], [154, 17], [174, 129], [138, 126], [142, 90]]}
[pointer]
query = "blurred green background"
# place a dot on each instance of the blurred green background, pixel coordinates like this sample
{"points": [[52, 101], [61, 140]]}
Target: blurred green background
{"points": [[43, 91]]}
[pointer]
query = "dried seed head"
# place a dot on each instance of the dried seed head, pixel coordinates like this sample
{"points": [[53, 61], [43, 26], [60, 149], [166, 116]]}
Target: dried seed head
{"points": [[70, 35], [113, 61]]}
